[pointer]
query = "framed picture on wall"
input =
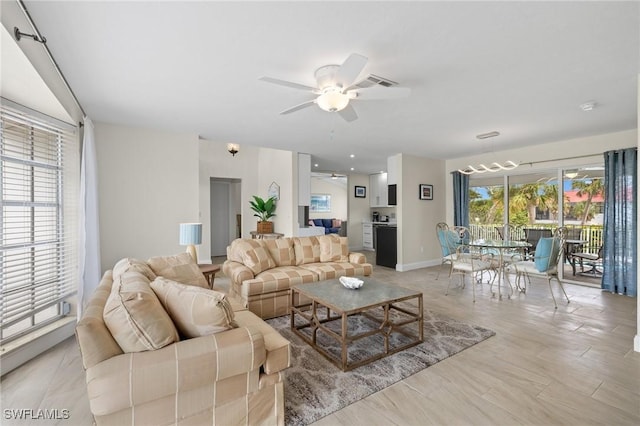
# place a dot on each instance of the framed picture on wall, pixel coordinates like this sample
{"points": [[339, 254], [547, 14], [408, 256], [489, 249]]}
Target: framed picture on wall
{"points": [[274, 191], [320, 203], [426, 192], [360, 192]]}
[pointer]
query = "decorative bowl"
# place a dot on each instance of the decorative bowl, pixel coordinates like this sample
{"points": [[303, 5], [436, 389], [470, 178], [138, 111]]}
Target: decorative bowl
{"points": [[351, 282]]}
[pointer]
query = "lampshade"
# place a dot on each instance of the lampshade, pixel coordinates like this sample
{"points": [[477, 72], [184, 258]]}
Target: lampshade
{"points": [[332, 99], [190, 234]]}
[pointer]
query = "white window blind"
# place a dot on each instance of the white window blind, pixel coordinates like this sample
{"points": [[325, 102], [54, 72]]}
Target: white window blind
{"points": [[39, 193]]}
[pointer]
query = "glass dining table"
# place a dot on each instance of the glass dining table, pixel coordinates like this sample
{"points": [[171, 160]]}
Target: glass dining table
{"points": [[501, 248]]}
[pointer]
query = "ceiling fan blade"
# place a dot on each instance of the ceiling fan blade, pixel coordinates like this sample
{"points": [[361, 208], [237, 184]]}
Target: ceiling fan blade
{"points": [[299, 107], [381, 92], [288, 84], [350, 70], [348, 113]]}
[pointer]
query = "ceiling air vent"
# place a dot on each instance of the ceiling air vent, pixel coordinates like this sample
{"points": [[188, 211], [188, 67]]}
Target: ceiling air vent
{"points": [[373, 80]]}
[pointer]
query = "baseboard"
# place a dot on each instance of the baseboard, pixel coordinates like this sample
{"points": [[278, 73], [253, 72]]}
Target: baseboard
{"points": [[636, 343], [17, 353], [417, 265]]}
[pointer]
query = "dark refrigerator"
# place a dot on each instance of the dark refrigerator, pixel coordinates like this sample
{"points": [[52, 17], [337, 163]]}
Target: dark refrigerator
{"points": [[386, 246]]}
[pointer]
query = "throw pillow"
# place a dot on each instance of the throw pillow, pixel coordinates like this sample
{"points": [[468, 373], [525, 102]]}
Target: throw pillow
{"points": [[131, 264], [333, 248], [195, 311], [336, 223], [134, 316], [281, 250], [307, 250], [181, 268], [256, 258], [449, 241], [546, 253]]}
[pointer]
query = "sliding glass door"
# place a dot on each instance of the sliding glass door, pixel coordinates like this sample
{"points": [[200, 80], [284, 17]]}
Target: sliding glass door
{"points": [[538, 202], [583, 215]]}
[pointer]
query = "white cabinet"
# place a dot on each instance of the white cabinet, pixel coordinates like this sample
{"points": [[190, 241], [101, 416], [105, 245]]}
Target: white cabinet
{"points": [[379, 191], [367, 236]]}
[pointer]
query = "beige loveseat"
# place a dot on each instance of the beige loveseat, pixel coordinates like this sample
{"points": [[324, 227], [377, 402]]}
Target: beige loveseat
{"points": [[231, 377], [263, 271]]}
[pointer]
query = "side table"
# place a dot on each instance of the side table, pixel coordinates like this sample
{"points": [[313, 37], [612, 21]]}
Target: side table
{"points": [[257, 236], [209, 272]]}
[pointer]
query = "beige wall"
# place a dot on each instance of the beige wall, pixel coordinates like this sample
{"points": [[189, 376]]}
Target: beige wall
{"points": [[256, 168], [358, 209], [147, 185], [338, 199], [417, 241], [278, 166], [150, 181]]}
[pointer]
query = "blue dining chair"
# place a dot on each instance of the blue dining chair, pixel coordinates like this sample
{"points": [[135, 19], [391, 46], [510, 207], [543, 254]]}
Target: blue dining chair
{"points": [[544, 263]]}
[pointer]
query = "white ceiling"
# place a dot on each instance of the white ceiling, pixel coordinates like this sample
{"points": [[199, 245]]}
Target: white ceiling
{"points": [[521, 68]]}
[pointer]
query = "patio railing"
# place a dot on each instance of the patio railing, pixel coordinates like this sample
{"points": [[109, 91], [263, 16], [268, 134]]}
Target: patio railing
{"points": [[592, 234]]}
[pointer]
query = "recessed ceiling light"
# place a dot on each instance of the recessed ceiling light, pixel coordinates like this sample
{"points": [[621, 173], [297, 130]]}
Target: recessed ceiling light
{"points": [[352, 155], [352, 169], [488, 135], [588, 106], [315, 165]]}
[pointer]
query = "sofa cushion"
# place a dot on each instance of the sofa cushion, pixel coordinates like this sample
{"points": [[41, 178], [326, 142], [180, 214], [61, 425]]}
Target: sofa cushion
{"points": [[194, 310], [135, 317], [277, 347], [317, 222], [279, 278], [307, 250], [333, 248], [331, 270], [327, 223], [131, 264], [281, 250], [181, 267], [254, 256]]}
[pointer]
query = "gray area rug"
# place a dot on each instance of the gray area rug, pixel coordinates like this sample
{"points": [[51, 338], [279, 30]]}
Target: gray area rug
{"points": [[314, 387]]}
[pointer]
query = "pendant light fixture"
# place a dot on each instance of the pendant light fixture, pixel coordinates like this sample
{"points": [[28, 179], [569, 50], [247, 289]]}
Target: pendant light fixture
{"points": [[493, 167]]}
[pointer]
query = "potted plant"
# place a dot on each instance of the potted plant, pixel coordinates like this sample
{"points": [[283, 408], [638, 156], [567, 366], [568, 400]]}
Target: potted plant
{"points": [[264, 210]]}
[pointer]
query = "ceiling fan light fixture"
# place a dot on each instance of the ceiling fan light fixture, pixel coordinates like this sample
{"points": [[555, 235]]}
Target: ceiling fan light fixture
{"points": [[332, 99]]}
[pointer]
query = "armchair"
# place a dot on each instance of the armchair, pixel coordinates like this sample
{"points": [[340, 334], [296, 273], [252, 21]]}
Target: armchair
{"points": [[590, 259]]}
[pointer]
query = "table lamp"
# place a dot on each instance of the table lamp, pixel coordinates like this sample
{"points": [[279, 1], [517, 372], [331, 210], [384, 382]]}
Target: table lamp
{"points": [[190, 236]]}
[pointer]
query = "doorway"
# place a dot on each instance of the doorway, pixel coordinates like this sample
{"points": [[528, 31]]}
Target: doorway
{"points": [[225, 213]]}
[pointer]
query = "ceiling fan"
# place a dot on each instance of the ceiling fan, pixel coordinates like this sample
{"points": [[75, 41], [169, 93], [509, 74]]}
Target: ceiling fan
{"points": [[337, 85]]}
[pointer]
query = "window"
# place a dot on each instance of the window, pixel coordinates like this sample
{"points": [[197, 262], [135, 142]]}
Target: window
{"points": [[39, 165]]}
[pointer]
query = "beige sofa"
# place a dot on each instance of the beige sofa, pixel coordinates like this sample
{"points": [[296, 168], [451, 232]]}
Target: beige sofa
{"points": [[228, 378], [263, 271]]}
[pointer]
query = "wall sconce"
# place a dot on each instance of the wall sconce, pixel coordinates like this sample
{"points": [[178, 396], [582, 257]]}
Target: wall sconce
{"points": [[233, 148]]}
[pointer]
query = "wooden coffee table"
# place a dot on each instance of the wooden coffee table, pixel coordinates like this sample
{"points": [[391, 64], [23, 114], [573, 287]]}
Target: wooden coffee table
{"points": [[393, 309]]}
